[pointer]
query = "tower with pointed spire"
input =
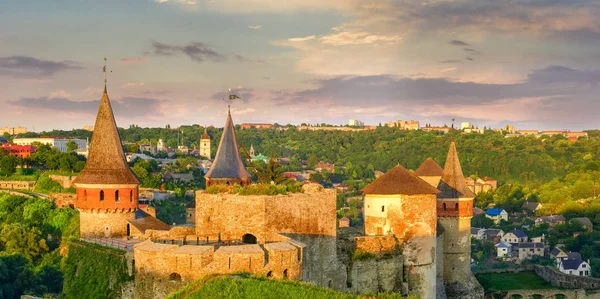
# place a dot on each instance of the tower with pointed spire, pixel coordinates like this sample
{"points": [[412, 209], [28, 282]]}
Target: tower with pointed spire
{"points": [[227, 167], [205, 145], [251, 150], [107, 190], [455, 210]]}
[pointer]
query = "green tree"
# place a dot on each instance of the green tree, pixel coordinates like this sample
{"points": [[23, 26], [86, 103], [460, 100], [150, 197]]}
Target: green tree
{"points": [[71, 146], [312, 161], [271, 172], [16, 276], [17, 238], [8, 165]]}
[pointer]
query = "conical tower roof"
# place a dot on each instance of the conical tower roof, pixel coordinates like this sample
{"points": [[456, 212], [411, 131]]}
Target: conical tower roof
{"points": [[106, 162], [429, 168], [399, 181], [228, 163], [452, 184]]}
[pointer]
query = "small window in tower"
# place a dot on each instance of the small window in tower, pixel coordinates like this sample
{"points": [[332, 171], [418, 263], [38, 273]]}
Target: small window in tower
{"points": [[456, 206], [383, 208], [444, 207], [101, 195], [130, 195], [117, 195], [84, 194]]}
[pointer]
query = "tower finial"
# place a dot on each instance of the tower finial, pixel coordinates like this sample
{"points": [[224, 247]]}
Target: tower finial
{"points": [[229, 109], [104, 70]]}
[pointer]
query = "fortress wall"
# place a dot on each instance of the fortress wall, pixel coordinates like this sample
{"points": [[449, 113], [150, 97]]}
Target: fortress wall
{"points": [[65, 181], [377, 275], [302, 213], [562, 280], [18, 185], [376, 244], [230, 215], [265, 216]]}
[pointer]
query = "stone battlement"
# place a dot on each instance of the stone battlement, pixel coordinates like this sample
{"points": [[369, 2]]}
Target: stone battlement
{"points": [[190, 262]]}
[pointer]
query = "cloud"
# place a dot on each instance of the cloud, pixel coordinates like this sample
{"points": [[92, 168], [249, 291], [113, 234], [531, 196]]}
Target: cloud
{"points": [[450, 61], [557, 74], [127, 106], [350, 37], [60, 94], [242, 58], [456, 42], [187, 2], [133, 60], [301, 39], [469, 59], [471, 50], [236, 111], [30, 67], [133, 84], [255, 27], [196, 51]]}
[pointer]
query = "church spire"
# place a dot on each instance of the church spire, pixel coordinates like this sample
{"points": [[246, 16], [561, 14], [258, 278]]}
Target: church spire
{"points": [[227, 168], [452, 184]]}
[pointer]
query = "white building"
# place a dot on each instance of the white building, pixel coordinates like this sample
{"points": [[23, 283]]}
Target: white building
{"points": [[528, 250], [503, 249], [496, 214], [465, 125], [58, 143], [515, 236], [356, 123], [576, 267]]}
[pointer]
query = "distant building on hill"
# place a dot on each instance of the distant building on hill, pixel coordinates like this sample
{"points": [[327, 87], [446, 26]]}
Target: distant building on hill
{"points": [[256, 126], [19, 151], [404, 124], [496, 214], [356, 123], [205, 145], [57, 142], [13, 131]]}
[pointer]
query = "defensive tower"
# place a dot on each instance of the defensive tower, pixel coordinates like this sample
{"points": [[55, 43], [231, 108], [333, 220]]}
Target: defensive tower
{"points": [[107, 190], [205, 145], [227, 168]]}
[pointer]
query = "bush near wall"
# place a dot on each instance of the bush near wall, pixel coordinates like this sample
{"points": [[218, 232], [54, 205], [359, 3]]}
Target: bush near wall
{"points": [[94, 271]]}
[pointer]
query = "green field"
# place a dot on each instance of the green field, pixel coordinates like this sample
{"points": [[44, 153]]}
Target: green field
{"points": [[243, 286], [512, 281]]}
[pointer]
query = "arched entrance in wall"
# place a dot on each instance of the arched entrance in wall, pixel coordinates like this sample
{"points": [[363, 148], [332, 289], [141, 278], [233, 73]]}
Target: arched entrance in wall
{"points": [[285, 273], [128, 230], [249, 239], [107, 232], [270, 274], [175, 277]]}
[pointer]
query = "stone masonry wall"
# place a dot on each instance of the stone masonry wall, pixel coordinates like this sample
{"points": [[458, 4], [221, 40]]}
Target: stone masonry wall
{"points": [[231, 216], [567, 281], [104, 224], [376, 244], [18, 185], [372, 275], [66, 181]]}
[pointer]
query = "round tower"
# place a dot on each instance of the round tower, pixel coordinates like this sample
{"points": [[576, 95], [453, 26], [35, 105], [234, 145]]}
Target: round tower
{"points": [[401, 204], [107, 190], [455, 209]]}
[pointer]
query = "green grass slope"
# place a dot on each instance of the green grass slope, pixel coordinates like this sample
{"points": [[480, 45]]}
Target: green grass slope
{"points": [[244, 286], [526, 280]]}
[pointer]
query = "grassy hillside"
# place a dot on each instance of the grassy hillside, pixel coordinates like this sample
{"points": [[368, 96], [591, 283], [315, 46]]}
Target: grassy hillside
{"points": [[527, 280], [243, 286]]}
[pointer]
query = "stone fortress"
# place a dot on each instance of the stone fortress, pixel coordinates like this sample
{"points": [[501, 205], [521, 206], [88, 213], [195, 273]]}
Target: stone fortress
{"points": [[416, 233]]}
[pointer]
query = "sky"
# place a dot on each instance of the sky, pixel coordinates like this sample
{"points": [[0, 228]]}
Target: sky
{"points": [[534, 64]]}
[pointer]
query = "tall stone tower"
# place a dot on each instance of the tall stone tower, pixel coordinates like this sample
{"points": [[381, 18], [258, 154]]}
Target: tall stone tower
{"points": [[252, 150], [107, 190], [227, 167], [401, 204], [205, 145], [455, 209]]}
